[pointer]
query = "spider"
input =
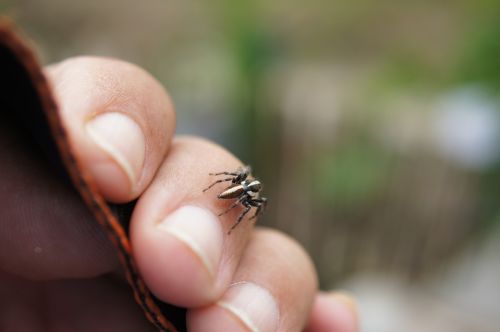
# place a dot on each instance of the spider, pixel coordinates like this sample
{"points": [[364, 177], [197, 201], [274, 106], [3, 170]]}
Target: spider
{"points": [[245, 189]]}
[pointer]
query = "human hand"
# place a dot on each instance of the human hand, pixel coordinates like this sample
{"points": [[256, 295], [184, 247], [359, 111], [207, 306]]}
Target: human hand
{"points": [[59, 272]]}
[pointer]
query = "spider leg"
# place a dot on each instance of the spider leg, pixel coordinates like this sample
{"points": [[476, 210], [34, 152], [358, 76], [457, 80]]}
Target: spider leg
{"points": [[218, 181], [240, 218], [224, 173], [260, 204], [238, 201]]}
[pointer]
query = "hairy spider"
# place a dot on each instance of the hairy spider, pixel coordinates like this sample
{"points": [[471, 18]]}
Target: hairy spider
{"points": [[245, 189]]}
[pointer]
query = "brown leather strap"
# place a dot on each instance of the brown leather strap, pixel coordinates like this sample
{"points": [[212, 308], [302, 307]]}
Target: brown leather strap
{"points": [[27, 101]]}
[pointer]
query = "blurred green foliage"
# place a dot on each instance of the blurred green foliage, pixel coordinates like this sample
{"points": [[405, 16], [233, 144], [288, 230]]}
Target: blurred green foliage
{"points": [[480, 61], [352, 174]]}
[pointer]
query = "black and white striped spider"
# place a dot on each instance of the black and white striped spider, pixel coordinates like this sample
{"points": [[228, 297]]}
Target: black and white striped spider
{"points": [[245, 189]]}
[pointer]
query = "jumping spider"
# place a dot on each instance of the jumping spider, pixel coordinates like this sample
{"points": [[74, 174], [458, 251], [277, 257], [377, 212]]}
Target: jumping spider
{"points": [[245, 189]]}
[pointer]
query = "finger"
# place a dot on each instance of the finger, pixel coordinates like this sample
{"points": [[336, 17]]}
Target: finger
{"points": [[273, 290], [181, 245], [334, 312], [119, 119]]}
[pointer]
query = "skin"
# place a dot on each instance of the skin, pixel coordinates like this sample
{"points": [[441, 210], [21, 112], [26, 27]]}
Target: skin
{"points": [[58, 271]]}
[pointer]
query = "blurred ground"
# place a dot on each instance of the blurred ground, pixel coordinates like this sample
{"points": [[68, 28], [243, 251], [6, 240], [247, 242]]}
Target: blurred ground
{"points": [[465, 297], [374, 125]]}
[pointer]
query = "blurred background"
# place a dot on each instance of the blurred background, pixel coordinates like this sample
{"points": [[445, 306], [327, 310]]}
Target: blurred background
{"points": [[375, 126]]}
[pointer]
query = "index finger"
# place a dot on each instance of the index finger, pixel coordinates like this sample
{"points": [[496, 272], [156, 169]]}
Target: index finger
{"points": [[119, 119]]}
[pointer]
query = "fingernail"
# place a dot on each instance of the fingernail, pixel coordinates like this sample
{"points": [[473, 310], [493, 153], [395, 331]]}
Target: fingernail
{"points": [[200, 230], [123, 140], [345, 299], [347, 307], [253, 306]]}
